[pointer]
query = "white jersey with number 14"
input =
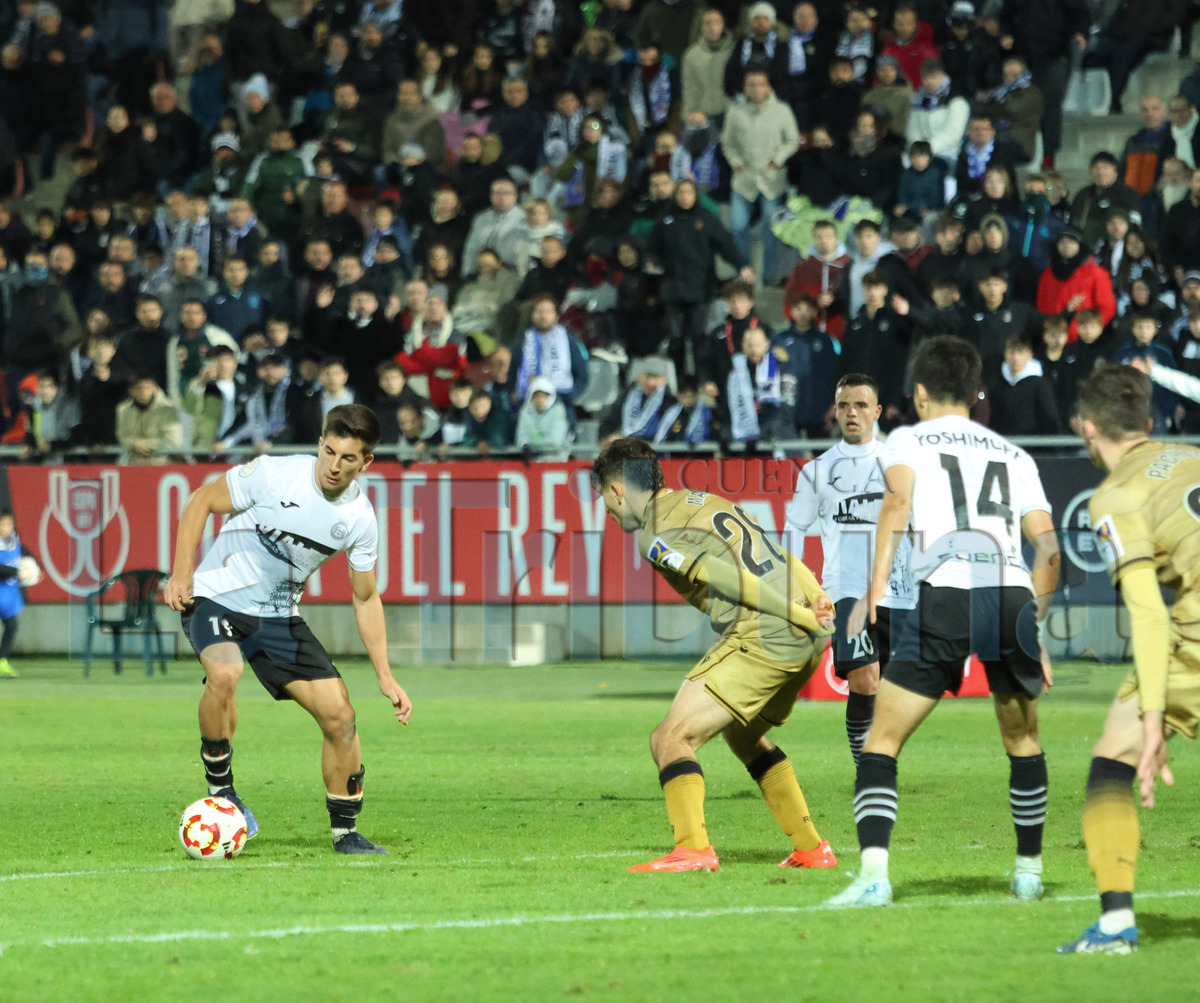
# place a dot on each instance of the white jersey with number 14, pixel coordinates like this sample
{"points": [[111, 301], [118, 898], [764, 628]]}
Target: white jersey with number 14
{"points": [[971, 489]]}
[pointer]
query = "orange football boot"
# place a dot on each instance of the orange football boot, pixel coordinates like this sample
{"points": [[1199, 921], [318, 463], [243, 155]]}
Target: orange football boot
{"points": [[682, 858], [820, 855]]}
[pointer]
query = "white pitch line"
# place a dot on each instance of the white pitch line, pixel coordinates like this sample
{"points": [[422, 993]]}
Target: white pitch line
{"points": [[249, 863], [499, 922]]}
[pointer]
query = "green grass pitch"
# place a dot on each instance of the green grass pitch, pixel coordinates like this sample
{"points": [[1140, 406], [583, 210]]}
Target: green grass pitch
{"points": [[510, 809]]}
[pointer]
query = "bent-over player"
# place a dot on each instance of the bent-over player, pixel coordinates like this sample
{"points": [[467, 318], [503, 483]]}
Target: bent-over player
{"points": [[967, 495], [843, 489], [293, 513], [1146, 515], [771, 615]]}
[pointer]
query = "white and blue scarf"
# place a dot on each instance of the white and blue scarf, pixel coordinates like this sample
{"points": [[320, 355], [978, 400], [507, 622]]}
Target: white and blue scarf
{"points": [[860, 51], [547, 355], [931, 100], [611, 162], [640, 414], [978, 160], [697, 426], [563, 128], [659, 98], [1004, 90], [747, 393], [797, 56]]}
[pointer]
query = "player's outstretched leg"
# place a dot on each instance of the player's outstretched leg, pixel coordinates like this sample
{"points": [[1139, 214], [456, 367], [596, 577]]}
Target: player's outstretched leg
{"points": [[341, 759], [770, 768], [1110, 830], [218, 721], [898, 713], [1028, 784], [693, 719]]}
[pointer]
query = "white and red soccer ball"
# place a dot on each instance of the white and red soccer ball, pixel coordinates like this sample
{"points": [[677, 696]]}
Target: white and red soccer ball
{"points": [[212, 828]]}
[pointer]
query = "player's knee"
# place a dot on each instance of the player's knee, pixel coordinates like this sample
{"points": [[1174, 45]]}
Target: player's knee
{"points": [[864, 681], [221, 679], [338, 724]]}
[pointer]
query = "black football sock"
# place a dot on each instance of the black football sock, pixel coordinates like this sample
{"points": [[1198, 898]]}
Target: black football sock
{"points": [[860, 711], [343, 811], [875, 800], [1027, 785], [217, 756]]}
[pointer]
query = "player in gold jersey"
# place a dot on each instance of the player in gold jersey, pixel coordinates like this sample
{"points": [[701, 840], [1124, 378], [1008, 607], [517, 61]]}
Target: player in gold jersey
{"points": [[1146, 515], [773, 619]]}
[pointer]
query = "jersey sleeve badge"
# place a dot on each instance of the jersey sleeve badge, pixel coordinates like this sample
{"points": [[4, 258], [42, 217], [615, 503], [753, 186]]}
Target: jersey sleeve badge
{"points": [[246, 469], [662, 555]]}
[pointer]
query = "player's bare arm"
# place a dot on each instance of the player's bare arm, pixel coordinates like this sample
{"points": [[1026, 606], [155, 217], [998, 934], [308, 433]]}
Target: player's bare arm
{"points": [[1149, 627], [1038, 529], [892, 525], [368, 612], [209, 499]]}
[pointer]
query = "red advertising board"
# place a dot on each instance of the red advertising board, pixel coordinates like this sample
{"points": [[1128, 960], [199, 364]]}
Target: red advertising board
{"points": [[470, 532], [466, 532]]}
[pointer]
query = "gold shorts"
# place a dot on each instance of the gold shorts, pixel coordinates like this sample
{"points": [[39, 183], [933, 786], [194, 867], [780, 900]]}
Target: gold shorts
{"points": [[750, 680], [1182, 713]]}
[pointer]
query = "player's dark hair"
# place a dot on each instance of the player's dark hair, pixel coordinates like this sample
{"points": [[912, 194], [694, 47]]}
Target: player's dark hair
{"points": [[630, 460], [858, 380], [949, 369], [353, 421], [1117, 400]]}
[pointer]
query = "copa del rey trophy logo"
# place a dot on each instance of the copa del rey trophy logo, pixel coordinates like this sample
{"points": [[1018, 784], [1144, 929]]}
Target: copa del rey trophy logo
{"points": [[83, 536]]}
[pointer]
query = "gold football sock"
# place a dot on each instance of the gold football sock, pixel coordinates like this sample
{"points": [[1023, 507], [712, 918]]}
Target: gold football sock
{"points": [[1110, 825], [773, 773], [683, 787]]}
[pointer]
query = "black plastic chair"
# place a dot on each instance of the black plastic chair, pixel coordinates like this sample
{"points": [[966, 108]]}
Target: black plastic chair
{"points": [[138, 616]]}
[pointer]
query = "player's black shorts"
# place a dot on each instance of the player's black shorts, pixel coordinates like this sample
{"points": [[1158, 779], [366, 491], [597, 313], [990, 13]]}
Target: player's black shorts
{"points": [[279, 649], [998, 625], [872, 645]]}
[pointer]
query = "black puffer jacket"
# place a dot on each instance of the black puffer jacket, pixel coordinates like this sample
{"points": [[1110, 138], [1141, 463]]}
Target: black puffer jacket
{"points": [[686, 243]]}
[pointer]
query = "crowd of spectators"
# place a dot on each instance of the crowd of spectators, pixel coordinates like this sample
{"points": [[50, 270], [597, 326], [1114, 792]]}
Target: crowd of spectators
{"points": [[462, 212]]}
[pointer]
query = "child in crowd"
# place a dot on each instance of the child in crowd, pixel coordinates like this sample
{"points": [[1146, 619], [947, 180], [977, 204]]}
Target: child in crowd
{"points": [[922, 190], [1144, 344], [1023, 401], [456, 416], [810, 357], [489, 425], [542, 425]]}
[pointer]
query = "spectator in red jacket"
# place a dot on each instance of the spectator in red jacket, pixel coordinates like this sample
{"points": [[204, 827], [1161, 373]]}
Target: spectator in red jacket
{"points": [[1074, 282], [818, 275], [911, 43]]}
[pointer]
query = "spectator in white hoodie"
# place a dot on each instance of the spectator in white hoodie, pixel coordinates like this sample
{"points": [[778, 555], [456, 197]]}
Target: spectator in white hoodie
{"points": [[542, 425]]}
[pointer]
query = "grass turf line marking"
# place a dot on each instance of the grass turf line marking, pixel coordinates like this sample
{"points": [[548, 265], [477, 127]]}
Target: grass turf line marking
{"points": [[407, 862], [498, 922]]}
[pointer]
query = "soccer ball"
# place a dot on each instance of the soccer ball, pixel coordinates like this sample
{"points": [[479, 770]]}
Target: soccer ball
{"points": [[212, 829], [28, 572]]}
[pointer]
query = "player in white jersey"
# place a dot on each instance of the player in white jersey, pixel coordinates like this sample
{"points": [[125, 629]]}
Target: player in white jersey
{"points": [[966, 495], [843, 489], [293, 513]]}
